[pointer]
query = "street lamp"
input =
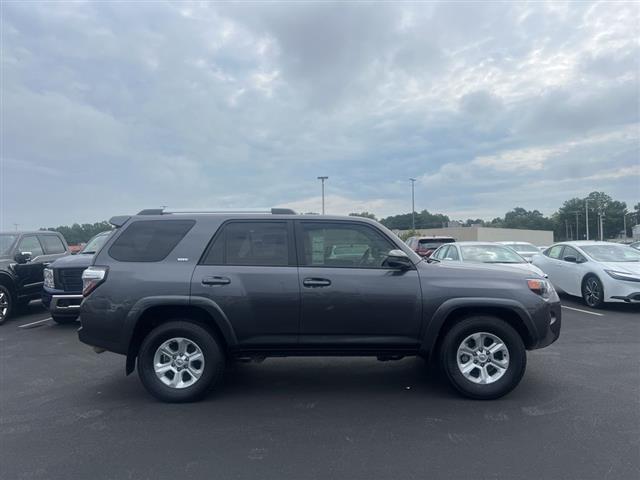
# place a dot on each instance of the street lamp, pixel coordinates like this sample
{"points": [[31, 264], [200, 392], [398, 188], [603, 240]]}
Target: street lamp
{"points": [[413, 204], [586, 212], [322, 179]]}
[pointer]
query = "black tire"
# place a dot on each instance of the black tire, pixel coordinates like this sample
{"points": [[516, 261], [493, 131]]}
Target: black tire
{"points": [[6, 304], [212, 369], [592, 292], [517, 356], [64, 320]]}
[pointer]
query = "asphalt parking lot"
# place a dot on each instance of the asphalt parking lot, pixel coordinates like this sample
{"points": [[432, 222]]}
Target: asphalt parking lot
{"points": [[67, 413]]}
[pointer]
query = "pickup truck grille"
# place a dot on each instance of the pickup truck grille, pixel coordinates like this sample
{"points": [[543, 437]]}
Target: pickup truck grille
{"points": [[69, 279]]}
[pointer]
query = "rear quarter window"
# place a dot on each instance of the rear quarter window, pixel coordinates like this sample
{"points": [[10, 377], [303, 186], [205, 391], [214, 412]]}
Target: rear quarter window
{"points": [[149, 240]]}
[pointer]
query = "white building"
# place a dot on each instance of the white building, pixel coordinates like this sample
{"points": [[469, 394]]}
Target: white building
{"points": [[488, 234]]}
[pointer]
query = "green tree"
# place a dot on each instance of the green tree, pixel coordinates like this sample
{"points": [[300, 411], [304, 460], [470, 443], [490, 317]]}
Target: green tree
{"points": [[527, 219], [424, 219], [77, 233]]}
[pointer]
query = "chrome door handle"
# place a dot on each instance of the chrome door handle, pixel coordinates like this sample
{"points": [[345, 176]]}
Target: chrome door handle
{"points": [[216, 281], [316, 282]]}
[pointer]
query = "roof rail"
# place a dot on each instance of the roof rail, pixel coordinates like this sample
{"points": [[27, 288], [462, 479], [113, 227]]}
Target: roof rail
{"points": [[164, 211]]}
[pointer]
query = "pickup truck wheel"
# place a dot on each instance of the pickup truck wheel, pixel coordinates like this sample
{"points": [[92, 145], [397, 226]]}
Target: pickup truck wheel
{"points": [[6, 303], [483, 357], [64, 320], [180, 361]]}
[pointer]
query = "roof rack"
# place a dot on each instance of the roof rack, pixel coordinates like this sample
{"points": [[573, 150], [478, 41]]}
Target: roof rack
{"points": [[164, 211]]}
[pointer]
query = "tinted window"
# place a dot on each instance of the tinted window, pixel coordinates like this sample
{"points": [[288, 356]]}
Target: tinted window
{"points": [[250, 243], [52, 244], [31, 244], [149, 240], [554, 252], [343, 245]]}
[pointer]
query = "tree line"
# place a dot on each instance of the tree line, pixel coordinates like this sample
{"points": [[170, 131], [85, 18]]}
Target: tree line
{"points": [[569, 222]]}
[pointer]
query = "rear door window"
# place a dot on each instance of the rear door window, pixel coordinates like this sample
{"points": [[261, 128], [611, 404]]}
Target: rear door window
{"points": [[149, 240], [250, 243], [52, 244]]}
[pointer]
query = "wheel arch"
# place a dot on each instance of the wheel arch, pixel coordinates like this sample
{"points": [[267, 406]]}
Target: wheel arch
{"points": [[454, 310], [154, 312]]}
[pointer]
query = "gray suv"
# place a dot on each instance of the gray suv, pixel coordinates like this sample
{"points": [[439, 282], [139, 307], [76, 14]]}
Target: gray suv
{"points": [[183, 293]]}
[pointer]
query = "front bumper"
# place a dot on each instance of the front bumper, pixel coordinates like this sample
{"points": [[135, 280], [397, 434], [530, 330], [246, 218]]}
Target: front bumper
{"points": [[631, 298], [548, 322], [62, 304]]}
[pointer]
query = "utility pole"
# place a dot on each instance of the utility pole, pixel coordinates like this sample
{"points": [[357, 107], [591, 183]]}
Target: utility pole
{"points": [[601, 226], [413, 204], [577, 225], [322, 179], [16, 225], [586, 212]]}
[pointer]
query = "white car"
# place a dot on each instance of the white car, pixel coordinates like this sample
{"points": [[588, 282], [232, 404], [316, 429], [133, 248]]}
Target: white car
{"points": [[525, 249], [599, 272], [484, 252]]}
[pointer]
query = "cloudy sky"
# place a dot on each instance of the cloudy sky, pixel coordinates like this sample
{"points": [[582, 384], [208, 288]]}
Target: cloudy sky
{"points": [[108, 109]]}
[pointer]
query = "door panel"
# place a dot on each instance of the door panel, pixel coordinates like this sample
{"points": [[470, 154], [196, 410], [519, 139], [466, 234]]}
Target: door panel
{"points": [[347, 293], [30, 274], [261, 303], [249, 272]]}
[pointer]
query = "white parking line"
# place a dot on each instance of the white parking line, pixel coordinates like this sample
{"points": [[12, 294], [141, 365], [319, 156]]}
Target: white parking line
{"points": [[583, 311], [34, 323]]}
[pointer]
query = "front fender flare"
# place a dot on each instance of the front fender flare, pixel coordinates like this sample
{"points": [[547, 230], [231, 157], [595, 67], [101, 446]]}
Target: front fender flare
{"points": [[448, 307]]}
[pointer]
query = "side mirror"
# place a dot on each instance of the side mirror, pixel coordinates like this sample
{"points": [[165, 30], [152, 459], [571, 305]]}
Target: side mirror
{"points": [[570, 258], [23, 257], [398, 259]]}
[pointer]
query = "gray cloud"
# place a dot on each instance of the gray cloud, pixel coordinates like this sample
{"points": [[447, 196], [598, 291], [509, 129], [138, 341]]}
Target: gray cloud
{"points": [[240, 105]]}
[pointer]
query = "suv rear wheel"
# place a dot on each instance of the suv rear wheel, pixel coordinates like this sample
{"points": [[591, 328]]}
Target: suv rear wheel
{"points": [[180, 361], [483, 357]]}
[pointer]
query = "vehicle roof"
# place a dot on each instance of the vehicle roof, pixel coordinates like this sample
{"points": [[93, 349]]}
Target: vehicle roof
{"points": [[30, 232], [503, 242], [586, 243], [476, 243], [249, 215], [434, 237]]}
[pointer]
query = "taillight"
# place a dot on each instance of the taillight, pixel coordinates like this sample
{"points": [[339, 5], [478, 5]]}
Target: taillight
{"points": [[91, 278]]}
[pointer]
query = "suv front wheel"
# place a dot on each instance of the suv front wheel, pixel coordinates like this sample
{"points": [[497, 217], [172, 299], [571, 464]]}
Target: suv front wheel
{"points": [[483, 357], [180, 361]]}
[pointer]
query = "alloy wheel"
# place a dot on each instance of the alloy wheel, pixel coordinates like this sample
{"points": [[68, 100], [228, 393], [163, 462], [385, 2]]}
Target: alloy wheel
{"points": [[4, 306], [178, 362], [592, 292], [483, 358]]}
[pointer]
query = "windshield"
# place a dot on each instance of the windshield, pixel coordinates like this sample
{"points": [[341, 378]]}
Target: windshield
{"points": [[524, 247], [6, 242], [95, 243], [612, 253], [490, 254]]}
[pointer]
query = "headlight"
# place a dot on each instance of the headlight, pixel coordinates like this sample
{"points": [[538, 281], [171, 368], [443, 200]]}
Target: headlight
{"points": [[48, 278], [629, 277], [541, 287]]}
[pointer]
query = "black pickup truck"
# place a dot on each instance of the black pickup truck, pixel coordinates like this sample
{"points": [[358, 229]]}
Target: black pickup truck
{"points": [[23, 257]]}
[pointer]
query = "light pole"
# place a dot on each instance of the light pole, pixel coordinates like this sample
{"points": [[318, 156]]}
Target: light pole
{"points": [[624, 222], [586, 212], [322, 179], [413, 204], [577, 225]]}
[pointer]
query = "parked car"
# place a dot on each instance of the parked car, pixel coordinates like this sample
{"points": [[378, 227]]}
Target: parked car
{"points": [[23, 256], [484, 252], [542, 248], [524, 249], [179, 294], [62, 290], [425, 246], [599, 272], [635, 245]]}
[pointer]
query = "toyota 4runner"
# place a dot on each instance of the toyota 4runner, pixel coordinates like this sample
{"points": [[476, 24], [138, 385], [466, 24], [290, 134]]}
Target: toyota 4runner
{"points": [[182, 293]]}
